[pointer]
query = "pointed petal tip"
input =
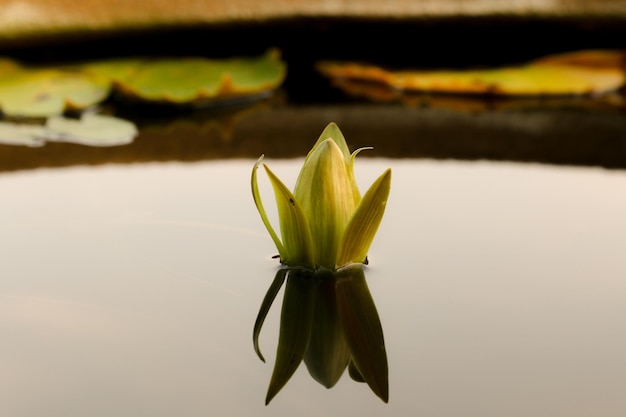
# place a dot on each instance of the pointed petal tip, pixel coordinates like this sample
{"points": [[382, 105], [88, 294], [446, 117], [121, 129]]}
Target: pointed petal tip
{"points": [[385, 398], [332, 131]]}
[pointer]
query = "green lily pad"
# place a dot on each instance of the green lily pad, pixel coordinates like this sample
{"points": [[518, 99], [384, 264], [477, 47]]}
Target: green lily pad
{"points": [[50, 91], [47, 92], [111, 70], [197, 79], [21, 134], [8, 66], [91, 129]]}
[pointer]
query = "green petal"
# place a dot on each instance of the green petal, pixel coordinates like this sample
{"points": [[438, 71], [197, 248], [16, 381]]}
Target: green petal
{"points": [[362, 329], [295, 328], [259, 205], [363, 225], [332, 132], [325, 192], [294, 228], [328, 353], [265, 308]]}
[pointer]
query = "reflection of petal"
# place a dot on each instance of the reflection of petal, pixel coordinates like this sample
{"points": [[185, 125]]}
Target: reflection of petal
{"points": [[354, 372], [296, 320], [265, 308], [362, 328], [328, 354]]}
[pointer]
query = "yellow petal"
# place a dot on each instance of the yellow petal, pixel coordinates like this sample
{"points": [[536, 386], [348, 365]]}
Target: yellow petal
{"points": [[363, 225], [325, 191], [333, 132]]}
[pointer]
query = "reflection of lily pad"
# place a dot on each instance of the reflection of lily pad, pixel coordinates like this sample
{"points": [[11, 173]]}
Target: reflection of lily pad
{"points": [[562, 77], [196, 79], [48, 92]]}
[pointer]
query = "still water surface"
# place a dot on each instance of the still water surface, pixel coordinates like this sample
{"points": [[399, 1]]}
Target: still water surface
{"points": [[131, 290]]}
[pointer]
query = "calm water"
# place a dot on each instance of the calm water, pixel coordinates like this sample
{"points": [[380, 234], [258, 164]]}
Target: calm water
{"points": [[131, 290]]}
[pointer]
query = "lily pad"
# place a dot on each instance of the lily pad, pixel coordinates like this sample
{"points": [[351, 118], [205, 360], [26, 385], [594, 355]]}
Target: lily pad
{"points": [[40, 93], [110, 70], [590, 58], [562, 76], [21, 134], [50, 91], [8, 66], [473, 103], [197, 79], [91, 129]]}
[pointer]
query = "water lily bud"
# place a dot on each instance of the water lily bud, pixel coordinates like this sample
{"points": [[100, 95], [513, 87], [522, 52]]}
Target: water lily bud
{"points": [[325, 223], [328, 317]]}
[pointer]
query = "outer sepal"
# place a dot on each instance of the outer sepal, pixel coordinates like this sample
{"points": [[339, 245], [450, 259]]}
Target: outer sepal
{"points": [[256, 195], [297, 242]]}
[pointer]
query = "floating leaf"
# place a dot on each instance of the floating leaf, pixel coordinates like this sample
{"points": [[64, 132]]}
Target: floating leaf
{"points": [[47, 92], [111, 70], [197, 79], [380, 93], [21, 134], [8, 66], [593, 58], [561, 76], [91, 129]]}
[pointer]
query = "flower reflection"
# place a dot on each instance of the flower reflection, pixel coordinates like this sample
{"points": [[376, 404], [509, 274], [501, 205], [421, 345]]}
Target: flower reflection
{"points": [[328, 317]]}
